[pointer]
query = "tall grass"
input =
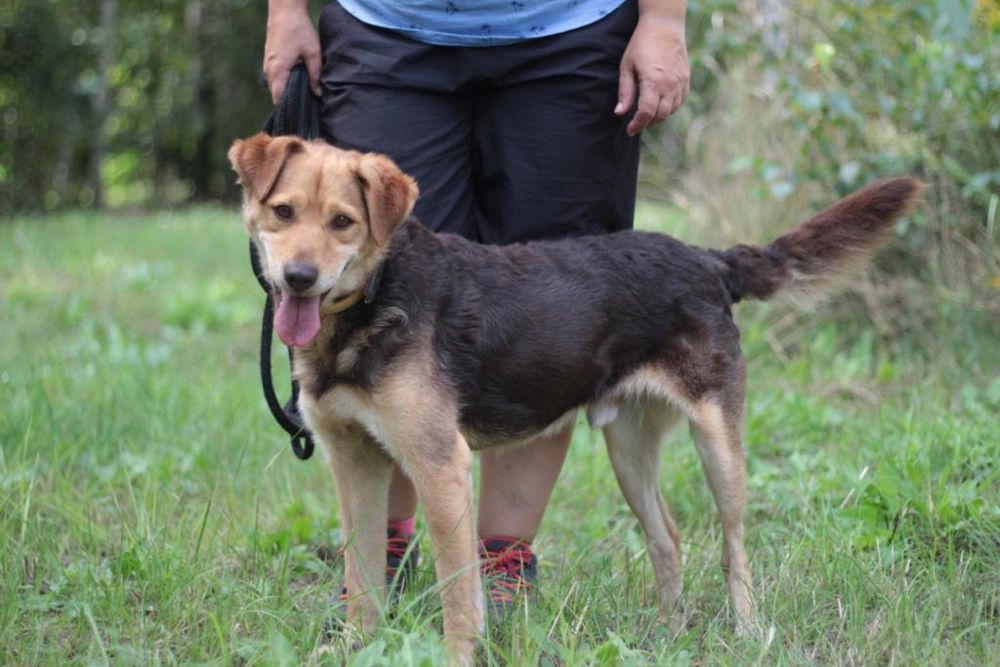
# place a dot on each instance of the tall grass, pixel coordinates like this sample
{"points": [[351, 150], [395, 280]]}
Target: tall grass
{"points": [[151, 513]]}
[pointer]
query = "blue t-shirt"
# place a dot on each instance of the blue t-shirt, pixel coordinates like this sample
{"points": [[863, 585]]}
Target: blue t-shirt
{"points": [[479, 22]]}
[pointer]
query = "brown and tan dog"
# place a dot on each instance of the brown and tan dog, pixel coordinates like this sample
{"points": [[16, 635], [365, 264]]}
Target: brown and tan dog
{"points": [[419, 348]]}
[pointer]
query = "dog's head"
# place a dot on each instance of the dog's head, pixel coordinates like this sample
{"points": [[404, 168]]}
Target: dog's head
{"points": [[321, 218]]}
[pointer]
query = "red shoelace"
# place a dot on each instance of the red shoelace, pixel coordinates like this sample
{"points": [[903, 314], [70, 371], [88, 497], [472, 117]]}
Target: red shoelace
{"points": [[505, 571], [396, 546]]}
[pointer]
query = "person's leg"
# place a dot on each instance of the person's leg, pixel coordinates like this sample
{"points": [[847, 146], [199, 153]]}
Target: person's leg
{"points": [[386, 93], [410, 113], [402, 497], [552, 160], [515, 484]]}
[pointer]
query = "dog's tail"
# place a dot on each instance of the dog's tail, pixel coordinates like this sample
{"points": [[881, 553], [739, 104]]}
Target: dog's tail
{"points": [[812, 258]]}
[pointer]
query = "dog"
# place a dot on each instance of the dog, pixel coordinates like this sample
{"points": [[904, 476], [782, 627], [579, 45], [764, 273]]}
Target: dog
{"points": [[420, 348]]}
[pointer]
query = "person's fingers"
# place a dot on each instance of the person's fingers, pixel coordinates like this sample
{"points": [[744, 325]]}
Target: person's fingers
{"points": [[680, 99], [649, 100], [626, 88], [667, 105], [277, 79], [676, 104], [314, 64]]}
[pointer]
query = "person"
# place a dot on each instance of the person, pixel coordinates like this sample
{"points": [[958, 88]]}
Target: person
{"points": [[520, 121]]}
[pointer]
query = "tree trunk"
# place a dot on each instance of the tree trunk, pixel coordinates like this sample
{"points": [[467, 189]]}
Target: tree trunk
{"points": [[202, 168], [61, 170], [107, 20]]}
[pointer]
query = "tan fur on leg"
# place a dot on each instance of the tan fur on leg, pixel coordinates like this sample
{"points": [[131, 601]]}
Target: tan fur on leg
{"points": [[446, 494], [361, 473], [421, 433], [717, 437], [365, 502], [634, 439]]}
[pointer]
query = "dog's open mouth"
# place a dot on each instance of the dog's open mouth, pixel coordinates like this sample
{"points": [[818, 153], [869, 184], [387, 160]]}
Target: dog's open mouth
{"points": [[296, 318]]}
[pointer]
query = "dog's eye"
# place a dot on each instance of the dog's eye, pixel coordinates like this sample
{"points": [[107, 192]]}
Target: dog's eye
{"points": [[283, 211], [341, 222]]}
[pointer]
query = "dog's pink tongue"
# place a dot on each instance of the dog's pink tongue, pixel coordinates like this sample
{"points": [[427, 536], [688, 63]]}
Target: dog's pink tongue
{"points": [[297, 320]]}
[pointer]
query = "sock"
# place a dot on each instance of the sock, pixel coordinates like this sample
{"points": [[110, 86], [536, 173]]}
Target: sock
{"points": [[404, 526]]}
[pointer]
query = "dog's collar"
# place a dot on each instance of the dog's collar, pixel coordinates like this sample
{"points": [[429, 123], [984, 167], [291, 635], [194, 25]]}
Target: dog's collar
{"points": [[367, 292], [343, 303]]}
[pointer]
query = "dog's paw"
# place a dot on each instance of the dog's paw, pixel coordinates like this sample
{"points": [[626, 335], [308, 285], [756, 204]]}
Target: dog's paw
{"points": [[755, 628]]}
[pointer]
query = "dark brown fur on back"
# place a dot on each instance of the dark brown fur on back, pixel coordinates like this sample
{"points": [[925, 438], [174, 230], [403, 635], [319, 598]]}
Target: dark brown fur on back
{"points": [[526, 333]]}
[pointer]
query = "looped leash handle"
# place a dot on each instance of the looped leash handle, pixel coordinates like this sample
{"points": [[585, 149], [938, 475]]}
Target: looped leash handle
{"points": [[296, 114]]}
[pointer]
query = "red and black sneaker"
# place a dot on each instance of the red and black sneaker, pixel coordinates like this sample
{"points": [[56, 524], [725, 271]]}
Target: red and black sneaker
{"points": [[402, 555], [509, 569]]}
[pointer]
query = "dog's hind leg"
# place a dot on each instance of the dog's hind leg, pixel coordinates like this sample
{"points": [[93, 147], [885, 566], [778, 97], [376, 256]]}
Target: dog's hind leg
{"points": [[717, 434], [634, 439]]}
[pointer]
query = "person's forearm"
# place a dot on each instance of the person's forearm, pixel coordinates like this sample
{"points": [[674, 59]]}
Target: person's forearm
{"points": [[670, 10], [279, 6]]}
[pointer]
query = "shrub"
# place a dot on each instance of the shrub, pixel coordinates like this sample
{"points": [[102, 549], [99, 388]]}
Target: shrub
{"points": [[794, 105]]}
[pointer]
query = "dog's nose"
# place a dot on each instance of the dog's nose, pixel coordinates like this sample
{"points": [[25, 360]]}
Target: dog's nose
{"points": [[300, 276]]}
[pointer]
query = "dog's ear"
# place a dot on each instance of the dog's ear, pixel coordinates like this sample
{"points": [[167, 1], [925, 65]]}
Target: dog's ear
{"points": [[389, 195], [258, 161]]}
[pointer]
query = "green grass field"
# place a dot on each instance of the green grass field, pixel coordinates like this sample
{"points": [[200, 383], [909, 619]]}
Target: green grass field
{"points": [[153, 513]]}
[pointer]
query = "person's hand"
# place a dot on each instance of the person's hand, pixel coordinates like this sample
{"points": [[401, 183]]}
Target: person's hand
{"points": [[655, 65], [291, 37]]}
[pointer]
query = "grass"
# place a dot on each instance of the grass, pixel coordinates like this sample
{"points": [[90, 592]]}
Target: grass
{"points": [[151, 512]]}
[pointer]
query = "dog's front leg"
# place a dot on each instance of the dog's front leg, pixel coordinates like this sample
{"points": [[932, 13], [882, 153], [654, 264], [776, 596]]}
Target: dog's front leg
{"points": [[444, 486], [362, 473]]}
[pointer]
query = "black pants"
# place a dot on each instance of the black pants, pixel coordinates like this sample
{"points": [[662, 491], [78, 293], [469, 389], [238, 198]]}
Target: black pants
{"points": [[508, 143]]}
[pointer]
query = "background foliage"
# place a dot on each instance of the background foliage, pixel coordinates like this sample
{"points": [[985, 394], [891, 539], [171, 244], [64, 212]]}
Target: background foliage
{"points": [[159, 88], [125, 102], [796, 102]]}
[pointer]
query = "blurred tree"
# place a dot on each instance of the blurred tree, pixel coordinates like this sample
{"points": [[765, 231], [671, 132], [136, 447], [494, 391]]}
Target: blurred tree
{"points": [[133, 102], [107, 24], [125, 102], [42, 106]]}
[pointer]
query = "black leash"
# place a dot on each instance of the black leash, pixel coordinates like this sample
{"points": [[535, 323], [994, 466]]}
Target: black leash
{"points": [[297, 113]]}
